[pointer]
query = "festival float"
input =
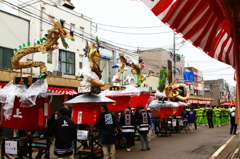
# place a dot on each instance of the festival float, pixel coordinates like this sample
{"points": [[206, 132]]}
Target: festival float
{"points": [[168, 108], [86, 107], [25, 102]]}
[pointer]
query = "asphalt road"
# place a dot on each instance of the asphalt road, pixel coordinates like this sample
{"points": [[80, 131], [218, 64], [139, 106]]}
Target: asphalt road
{"points": [[200, 144]]}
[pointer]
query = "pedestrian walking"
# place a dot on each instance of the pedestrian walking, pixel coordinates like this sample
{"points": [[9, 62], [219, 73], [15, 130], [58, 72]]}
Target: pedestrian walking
{"points": [[191, 115], [210, 117], [127, 124], [151, 124], [107, 125], [233, 127], [64, 131], [143, 122], [184, 118]]}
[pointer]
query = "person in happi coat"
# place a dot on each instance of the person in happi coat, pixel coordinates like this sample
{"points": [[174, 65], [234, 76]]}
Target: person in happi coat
{"points": [[107, 125], [143, 123], [127, 124], [191, 115]]}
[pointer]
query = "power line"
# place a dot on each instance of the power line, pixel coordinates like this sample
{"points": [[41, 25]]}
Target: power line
{"points": [[128, 27], [134, 33]]}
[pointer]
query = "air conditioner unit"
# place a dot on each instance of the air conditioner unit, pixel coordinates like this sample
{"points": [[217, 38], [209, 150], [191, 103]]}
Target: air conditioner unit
{"points": [[58, 73]]}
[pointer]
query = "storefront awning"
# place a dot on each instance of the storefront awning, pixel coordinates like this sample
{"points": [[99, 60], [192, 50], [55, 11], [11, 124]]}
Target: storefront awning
{"points": [[63, 91]]}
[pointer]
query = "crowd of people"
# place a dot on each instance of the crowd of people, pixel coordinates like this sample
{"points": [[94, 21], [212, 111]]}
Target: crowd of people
{"points": [[129, 122], [208, 116]]}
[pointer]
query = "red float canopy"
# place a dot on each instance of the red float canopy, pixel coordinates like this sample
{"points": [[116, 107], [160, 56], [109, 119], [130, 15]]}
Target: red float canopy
{"points": [[27, 118], [142, 99], [121, 103]]}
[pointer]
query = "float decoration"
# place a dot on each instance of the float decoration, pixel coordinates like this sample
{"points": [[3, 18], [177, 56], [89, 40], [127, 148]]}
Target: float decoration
{"points": [[91, 72], [49, 45], [163, 73], [136, 69], [173, 91], [27, 96]]}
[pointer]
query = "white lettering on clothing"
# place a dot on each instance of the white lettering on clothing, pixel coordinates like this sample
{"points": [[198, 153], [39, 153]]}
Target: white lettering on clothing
{"points": [[64, 123], [108, 119]]}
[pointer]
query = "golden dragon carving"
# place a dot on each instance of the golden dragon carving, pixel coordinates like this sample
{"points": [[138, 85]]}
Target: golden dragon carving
{"points": [[136, 69], [93, 55], [172, 90], [50, 44]]}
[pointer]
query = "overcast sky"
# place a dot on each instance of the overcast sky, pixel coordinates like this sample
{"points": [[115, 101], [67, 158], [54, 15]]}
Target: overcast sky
{"points": [[129, 16]]}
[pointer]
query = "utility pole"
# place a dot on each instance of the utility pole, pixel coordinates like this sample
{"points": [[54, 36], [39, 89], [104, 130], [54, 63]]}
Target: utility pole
{"points": [[174, 54]]}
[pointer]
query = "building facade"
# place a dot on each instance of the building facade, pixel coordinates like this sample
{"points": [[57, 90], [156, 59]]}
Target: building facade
{"points": [[217, 89], [155, 59]]}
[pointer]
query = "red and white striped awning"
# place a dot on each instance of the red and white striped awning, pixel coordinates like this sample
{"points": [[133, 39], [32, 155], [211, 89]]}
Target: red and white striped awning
{"points": [[202, 22]]}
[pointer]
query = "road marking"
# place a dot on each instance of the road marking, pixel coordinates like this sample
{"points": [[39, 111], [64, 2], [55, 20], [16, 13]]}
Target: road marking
{"points": [[216, 153]]}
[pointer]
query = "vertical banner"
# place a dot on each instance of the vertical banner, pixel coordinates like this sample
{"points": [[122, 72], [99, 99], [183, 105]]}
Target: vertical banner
{"points": [[45, 109], [79, 121]]}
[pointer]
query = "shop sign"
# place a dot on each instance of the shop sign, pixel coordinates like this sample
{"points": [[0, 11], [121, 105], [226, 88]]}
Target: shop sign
{"points": [[84, 89]]}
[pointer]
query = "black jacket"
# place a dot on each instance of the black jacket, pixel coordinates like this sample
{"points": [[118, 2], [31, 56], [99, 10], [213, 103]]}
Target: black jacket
{"points": [[128, 123], [106, 124], [64, 131], [143, 122]]}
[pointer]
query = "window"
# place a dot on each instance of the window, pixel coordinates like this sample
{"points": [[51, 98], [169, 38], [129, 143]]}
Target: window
{"points": [[49, 57], [80, 61], [72, 29], [80, 65], [67, 62], [5, 58], [62, 23]]}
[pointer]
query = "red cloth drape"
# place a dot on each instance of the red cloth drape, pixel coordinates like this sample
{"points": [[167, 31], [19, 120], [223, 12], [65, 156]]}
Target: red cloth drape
{"points": [[165, 112], [86, 113], [142, 99], [30, 118], [121, 103]]}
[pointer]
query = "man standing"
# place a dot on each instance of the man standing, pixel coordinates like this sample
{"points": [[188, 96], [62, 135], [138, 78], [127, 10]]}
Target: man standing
{"points": [[64, 131], [184, 118], [107, 126], [143, 122], [128, 123], [233, 128], [191, 119], [209, 117]]}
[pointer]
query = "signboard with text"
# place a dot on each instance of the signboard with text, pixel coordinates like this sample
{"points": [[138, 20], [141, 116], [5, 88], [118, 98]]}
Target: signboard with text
{"points": [[188, 76], [84, 89]]}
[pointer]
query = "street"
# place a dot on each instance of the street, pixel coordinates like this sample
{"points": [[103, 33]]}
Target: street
{"points": [[200, 144]]}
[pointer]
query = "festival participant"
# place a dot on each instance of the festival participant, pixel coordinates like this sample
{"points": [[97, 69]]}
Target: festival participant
{"points": [[184, 118], [191, 115], [107, 125], [64, 131], [218, 117], [151, 124], [143, 122], [233, 127], [205, 119], [209, 117], [55, 116], [127, 124]]}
